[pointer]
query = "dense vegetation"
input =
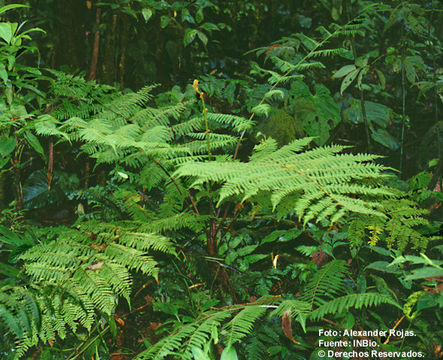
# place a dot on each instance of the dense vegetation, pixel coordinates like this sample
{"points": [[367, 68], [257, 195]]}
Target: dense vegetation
{"points": [[220, 179]]}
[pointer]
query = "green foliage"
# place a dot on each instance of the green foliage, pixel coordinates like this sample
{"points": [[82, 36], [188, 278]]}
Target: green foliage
{"points": [[204, 329], [318, 113], [400, 228], [19, 312], [17, 77], [284, 239], [315, 183], [319, 298], [82, 274]]}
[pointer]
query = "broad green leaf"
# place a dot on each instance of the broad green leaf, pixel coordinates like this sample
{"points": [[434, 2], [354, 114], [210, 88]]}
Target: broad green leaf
{"points": [[427, 301], [381, 78], [12, 6], [32, 30], [376, 113], [6, 32], [209, 26], [252, 259], [199, 15], [362, 61], [318, 113], [189, 36], [282, 235], [202, 37], [383, 266], [199, 354], [3, 74], [345, 70], [349, 321], [7, 145], [229, 353], [11, 62], [425, 272], [348, 80], [246, 250], [123, 175], [129, 11], [186, 16], [3, 162], [363, 71], [335, 13], [9, 237], [384, 138], [34, 143], [164, 21], [112, 326], [380, 250], [433, 162], [8, 270], [147, 13]]}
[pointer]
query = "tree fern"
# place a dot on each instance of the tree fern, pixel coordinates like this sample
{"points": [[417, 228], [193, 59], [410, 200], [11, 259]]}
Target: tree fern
{"points": [[321, 183], [203, 333], [127, 130], [80, 275], [256, 349]]}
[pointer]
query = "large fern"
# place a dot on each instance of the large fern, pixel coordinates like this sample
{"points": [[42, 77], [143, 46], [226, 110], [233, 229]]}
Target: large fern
{"points": [[20, 313], [236, 322], [204, 328], [319, 183], [80, 275]]}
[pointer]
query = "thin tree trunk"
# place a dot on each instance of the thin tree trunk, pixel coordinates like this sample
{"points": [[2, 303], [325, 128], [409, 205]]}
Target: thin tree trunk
{"points": [[96, 46], [124, 43], [50, 163]]}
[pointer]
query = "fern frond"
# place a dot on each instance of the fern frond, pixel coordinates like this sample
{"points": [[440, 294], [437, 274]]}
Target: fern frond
{"points": [[324, 180], [168, 345], [399, 228], [241, 324], [325, 284], [358, 301], [300, 310], [203, 332], [84, 273]]}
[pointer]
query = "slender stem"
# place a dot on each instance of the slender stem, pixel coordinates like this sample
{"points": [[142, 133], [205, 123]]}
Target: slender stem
{"points": [[403, 116], [96, 46], [365, 120], [205, 116], [101, 333], [174, 182]]}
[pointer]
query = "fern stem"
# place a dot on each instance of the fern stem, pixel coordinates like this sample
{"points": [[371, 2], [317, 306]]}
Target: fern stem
{"points": [[91, 341], [205, 116], [395, 327], [174, 182]]}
